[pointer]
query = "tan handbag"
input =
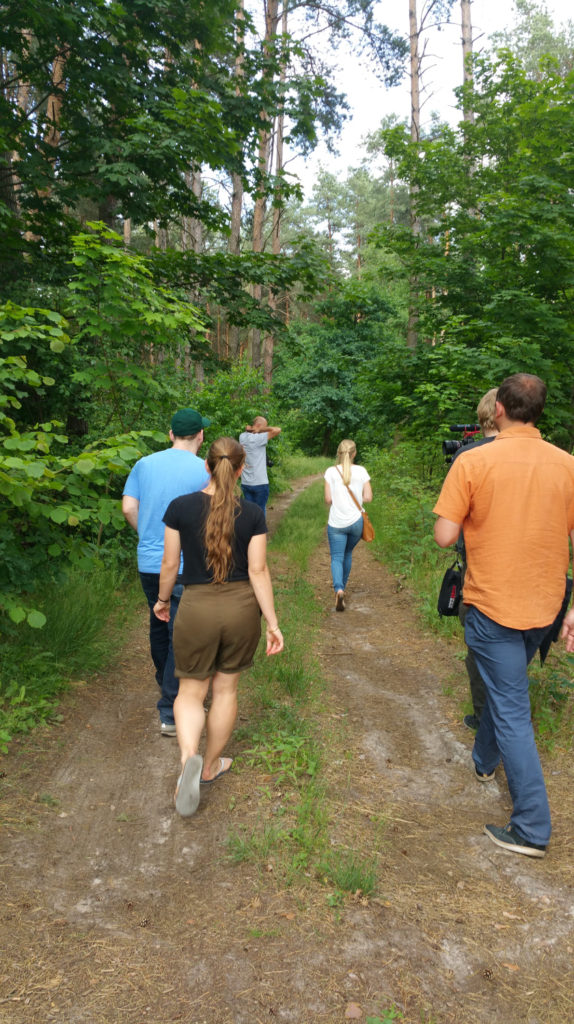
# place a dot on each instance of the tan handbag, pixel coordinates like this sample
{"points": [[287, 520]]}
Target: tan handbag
{"points": [[368, 533]]}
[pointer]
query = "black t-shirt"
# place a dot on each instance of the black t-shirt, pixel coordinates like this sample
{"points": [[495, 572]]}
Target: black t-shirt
{"points": [[188, 513]]}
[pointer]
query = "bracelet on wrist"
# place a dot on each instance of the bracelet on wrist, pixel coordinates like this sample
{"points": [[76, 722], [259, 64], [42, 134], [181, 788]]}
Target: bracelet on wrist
{"points": [[161, 600]]}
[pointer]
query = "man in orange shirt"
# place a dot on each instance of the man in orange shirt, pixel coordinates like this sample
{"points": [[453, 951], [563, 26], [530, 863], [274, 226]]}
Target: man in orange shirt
{"points": [[514, 498]]}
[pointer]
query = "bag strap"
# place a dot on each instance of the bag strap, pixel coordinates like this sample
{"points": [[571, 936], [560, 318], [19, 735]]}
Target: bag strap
{"points": [[360, 508]]}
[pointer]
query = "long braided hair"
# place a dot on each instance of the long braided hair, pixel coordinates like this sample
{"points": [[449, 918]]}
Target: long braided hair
{"points": [[224, 458], [345, 457]]}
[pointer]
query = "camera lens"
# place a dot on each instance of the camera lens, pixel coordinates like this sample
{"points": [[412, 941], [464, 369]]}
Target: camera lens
{"points": [[450, 447]]}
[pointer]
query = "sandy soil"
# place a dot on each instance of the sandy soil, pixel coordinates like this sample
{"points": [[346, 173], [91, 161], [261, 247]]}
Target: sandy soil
{"points": [[116, 911]]}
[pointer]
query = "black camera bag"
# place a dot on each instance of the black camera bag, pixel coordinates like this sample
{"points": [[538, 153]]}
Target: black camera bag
{"points": [[450, 590]]}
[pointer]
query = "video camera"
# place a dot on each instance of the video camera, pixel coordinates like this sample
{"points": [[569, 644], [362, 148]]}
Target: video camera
{"points": [[469, 431]]}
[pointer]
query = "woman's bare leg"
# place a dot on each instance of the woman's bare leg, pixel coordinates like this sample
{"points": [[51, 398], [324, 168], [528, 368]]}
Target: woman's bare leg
{"points": [[189, 715], [220, 720]]}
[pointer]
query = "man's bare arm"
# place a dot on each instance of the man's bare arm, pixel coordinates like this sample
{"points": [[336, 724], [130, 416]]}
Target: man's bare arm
{"points": [[263, 428], [130, 509], [446, 532]]}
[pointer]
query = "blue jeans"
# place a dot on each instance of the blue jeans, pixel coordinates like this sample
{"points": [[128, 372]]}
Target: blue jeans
{"points": [[258, 494], [505, 732], [342, 540], [160, 642]]}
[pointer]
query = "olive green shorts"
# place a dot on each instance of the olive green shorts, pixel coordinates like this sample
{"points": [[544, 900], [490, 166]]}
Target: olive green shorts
{"points": [[217, 629]]}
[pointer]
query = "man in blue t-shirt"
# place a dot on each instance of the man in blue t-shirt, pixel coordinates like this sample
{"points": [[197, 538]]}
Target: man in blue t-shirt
{"points": [[153, 482]]}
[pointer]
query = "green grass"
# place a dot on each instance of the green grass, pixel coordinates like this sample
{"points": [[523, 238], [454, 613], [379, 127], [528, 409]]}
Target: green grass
{"points": [[85, 619], [297, 464], [551, 698], [286, 739], [294, 465], [349, 871], [303, 528], [388, 1015]]}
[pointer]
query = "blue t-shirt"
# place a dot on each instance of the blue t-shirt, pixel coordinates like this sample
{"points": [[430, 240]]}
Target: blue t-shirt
{"points": [[155, 481]]}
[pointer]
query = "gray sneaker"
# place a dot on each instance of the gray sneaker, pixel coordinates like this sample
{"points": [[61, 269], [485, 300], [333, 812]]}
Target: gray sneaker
{"points": [[168, 729], [510, 839]]}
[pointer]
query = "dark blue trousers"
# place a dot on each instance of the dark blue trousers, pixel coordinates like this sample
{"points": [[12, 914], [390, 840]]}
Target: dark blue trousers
{"points": [[160, 642], [505, 731]]}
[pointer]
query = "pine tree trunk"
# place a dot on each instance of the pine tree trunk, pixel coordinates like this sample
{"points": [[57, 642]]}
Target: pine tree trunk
{"points": [[9, 181], [466, 21], [234, 244], [413, 316], [192, 233], [263, 167], [55, 101], [276, 226]]}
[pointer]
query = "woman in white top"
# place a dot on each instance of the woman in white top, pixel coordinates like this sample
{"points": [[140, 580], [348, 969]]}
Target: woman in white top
{"points": [[345, 524]]}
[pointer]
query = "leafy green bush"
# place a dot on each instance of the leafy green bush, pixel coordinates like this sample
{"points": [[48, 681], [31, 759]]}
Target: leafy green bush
{"points": [[85, 614]]}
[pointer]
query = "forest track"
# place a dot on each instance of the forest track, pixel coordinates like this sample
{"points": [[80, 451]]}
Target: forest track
{"points": [[115, 911]]}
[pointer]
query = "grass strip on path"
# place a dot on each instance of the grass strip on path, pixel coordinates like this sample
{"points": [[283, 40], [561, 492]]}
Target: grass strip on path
{"points": [[290, 738]]}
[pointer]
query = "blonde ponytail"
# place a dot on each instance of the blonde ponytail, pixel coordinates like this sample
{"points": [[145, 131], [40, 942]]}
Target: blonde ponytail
{"points": [[346, 453], [224, 459]]}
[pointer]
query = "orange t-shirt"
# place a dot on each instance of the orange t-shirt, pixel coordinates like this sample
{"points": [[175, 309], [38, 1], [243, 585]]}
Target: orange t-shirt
{"points": [[515, 501]]}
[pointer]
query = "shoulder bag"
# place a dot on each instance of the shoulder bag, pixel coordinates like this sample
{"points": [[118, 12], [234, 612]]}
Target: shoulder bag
{"points": [[450, 592]]}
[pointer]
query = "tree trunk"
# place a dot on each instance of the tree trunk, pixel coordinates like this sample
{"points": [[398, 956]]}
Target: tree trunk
{"points": [[160, 236], [54, 111], [276, 226], [234, 244], [468, 112], [263, 162], [415, 66], [192, 228], [415, 62], [9, 182]]}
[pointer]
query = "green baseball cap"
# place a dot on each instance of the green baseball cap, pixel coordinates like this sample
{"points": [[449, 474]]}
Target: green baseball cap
{"points": [[187, 422]]}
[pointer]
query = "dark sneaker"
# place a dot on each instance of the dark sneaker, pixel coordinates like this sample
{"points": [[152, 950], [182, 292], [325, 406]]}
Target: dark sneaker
{"points": [[510, 839], [471, 722], [168, 729], [484, 776]]}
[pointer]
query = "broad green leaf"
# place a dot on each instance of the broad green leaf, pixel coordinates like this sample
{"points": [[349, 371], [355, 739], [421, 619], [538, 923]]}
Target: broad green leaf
{"points": [[36, 619], [35, 469], [84, 466], [58, 515], [17, 614]]}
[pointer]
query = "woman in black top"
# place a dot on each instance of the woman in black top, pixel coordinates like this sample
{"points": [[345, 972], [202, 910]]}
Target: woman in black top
{"points": [[217, 627]]}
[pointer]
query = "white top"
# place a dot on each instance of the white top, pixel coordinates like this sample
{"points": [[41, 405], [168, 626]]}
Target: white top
{"points": [[343, 511]]}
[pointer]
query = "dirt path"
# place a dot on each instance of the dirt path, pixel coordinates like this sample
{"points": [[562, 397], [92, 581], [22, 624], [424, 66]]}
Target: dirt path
{"points": [[115, 911]]}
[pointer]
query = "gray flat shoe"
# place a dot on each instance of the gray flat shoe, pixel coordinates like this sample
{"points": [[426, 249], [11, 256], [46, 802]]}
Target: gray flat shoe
{"points": [[222, 771], [187, 791]]}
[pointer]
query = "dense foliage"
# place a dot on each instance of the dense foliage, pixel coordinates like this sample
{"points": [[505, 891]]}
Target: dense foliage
{"points": [[494, 266]]}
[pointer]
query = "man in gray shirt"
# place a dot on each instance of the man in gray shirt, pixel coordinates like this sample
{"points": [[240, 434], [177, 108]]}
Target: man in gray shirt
{"points": [[254, 479]]}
